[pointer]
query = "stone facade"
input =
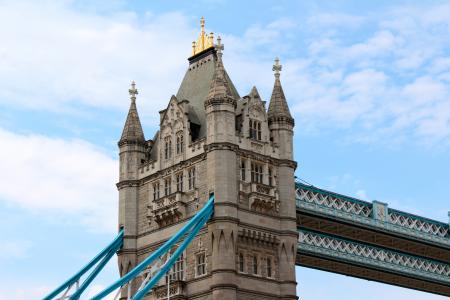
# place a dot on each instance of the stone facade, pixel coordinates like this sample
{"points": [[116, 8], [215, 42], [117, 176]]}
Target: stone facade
{"points": [[211, 140]]}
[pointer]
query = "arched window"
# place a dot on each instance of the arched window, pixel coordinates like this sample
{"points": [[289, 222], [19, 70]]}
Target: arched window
{"points": [[167, 147], [254, 129], [200, 264], [269, 267], [256, 172], [179, 177], [241, 262], [180, 143], [259, 131], [167, 186], [155, 190], [255, 265], [243, 170], [177, 271], [270, 177], [191, 178], [170, 148]]}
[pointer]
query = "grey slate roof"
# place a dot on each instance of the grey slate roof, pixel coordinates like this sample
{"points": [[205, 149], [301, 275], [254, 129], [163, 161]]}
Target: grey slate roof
{"points": [[132, 131], [278, 106], [196, 85]]}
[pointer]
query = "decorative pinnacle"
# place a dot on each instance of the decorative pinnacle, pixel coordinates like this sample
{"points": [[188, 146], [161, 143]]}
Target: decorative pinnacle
{"points": [[202, 24], [277, 67], [219, 46], [133, 91], [204, 41]]}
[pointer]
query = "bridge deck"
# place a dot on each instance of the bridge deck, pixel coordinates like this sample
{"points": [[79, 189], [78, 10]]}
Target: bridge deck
{"points": [[369, 240]]}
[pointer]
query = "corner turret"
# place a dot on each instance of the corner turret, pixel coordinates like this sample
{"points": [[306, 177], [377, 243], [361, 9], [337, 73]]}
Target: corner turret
{"points": [[132, 131], [280, 121], [220, 104], [132, 153], [132, 142]]}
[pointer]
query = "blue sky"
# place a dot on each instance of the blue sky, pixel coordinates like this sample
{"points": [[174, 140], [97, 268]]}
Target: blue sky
{"points": [[368, 84]]}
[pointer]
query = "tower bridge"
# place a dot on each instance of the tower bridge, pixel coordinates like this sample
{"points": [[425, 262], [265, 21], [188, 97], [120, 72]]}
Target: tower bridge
{"points": [[372, 241], [209, 208]]}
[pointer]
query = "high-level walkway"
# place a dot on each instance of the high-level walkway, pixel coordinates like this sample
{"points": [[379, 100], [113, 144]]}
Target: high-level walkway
{"points": [[369, 240]]}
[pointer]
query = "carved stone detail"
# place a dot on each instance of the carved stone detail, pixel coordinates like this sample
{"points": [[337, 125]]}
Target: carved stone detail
{"points": [[168, 209], [176, 291]]}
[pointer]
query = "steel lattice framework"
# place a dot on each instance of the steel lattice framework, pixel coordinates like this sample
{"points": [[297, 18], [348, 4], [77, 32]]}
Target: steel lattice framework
{"points": [[375, 214], [369, 240], [375, 256]]}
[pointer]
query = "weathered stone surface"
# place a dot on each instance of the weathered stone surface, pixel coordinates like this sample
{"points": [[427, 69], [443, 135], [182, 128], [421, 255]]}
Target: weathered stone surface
{"points": [[224, 141]]}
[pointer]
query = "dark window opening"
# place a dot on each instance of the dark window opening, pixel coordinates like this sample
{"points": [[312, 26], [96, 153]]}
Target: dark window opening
{"points": [[195, 131]]}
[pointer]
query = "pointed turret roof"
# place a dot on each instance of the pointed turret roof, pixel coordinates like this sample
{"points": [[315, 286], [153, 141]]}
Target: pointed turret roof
{"points": [[254, 93], [132, 131], [220, 87], [278, 107]]}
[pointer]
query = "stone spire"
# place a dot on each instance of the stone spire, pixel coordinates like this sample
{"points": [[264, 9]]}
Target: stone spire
{"points": [[278, 107], [132, 131], [220, 87]]}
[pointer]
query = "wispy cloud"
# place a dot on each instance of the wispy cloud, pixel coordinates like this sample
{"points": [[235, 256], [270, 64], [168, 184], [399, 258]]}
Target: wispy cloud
{"points": [[377, 76], [63, 57], [67, 180]]}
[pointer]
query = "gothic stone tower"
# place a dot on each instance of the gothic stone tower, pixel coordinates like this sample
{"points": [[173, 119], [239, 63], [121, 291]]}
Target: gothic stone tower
{"points": [[212, 140]]}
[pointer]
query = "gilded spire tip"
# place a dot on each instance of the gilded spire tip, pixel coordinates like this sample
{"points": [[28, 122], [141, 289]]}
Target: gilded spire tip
{"points": [[204, 41]]}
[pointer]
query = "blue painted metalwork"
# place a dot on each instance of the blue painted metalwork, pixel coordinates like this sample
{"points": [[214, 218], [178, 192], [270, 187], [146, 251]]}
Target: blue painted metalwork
{"points": [[139, 295], [91, 277], [346, 250], [107, 252], [339, 206], [199, 218]]}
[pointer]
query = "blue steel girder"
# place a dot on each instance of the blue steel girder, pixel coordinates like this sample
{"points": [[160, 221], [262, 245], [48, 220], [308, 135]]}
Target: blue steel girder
{"points": [[390, 233], [375, 214]]}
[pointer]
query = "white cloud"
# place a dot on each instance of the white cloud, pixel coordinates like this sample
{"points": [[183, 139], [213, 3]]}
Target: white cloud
{"points": [[62, 57], [387, 84], [369, 84], [70, 180]]}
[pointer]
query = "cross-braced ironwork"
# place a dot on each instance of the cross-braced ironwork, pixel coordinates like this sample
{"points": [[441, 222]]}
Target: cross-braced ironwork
{"points": [[323, 202], [354, 207], [375, 256], [417, 223]]}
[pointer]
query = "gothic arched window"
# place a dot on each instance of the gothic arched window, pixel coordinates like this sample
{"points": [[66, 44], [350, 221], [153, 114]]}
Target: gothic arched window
{"points": [[269, 267], [255, 265], [167, 147], [241, 262], [180, 143], [254, 129]]}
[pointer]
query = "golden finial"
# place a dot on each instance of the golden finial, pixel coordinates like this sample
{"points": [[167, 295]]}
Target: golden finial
{"points": [[204, 41], [202, 24]]}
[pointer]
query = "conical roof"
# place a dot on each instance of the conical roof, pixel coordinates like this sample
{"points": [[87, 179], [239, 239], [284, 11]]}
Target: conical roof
{"points": [[254, 93], [132, 131], [278, 107], [220, 87]]}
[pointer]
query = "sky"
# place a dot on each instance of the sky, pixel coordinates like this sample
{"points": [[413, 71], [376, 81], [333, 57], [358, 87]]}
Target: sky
{"points": [[367, 82]]}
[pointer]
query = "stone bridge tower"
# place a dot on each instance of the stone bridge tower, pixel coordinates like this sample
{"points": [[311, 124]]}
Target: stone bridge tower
{"points": [[213, 140]]}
